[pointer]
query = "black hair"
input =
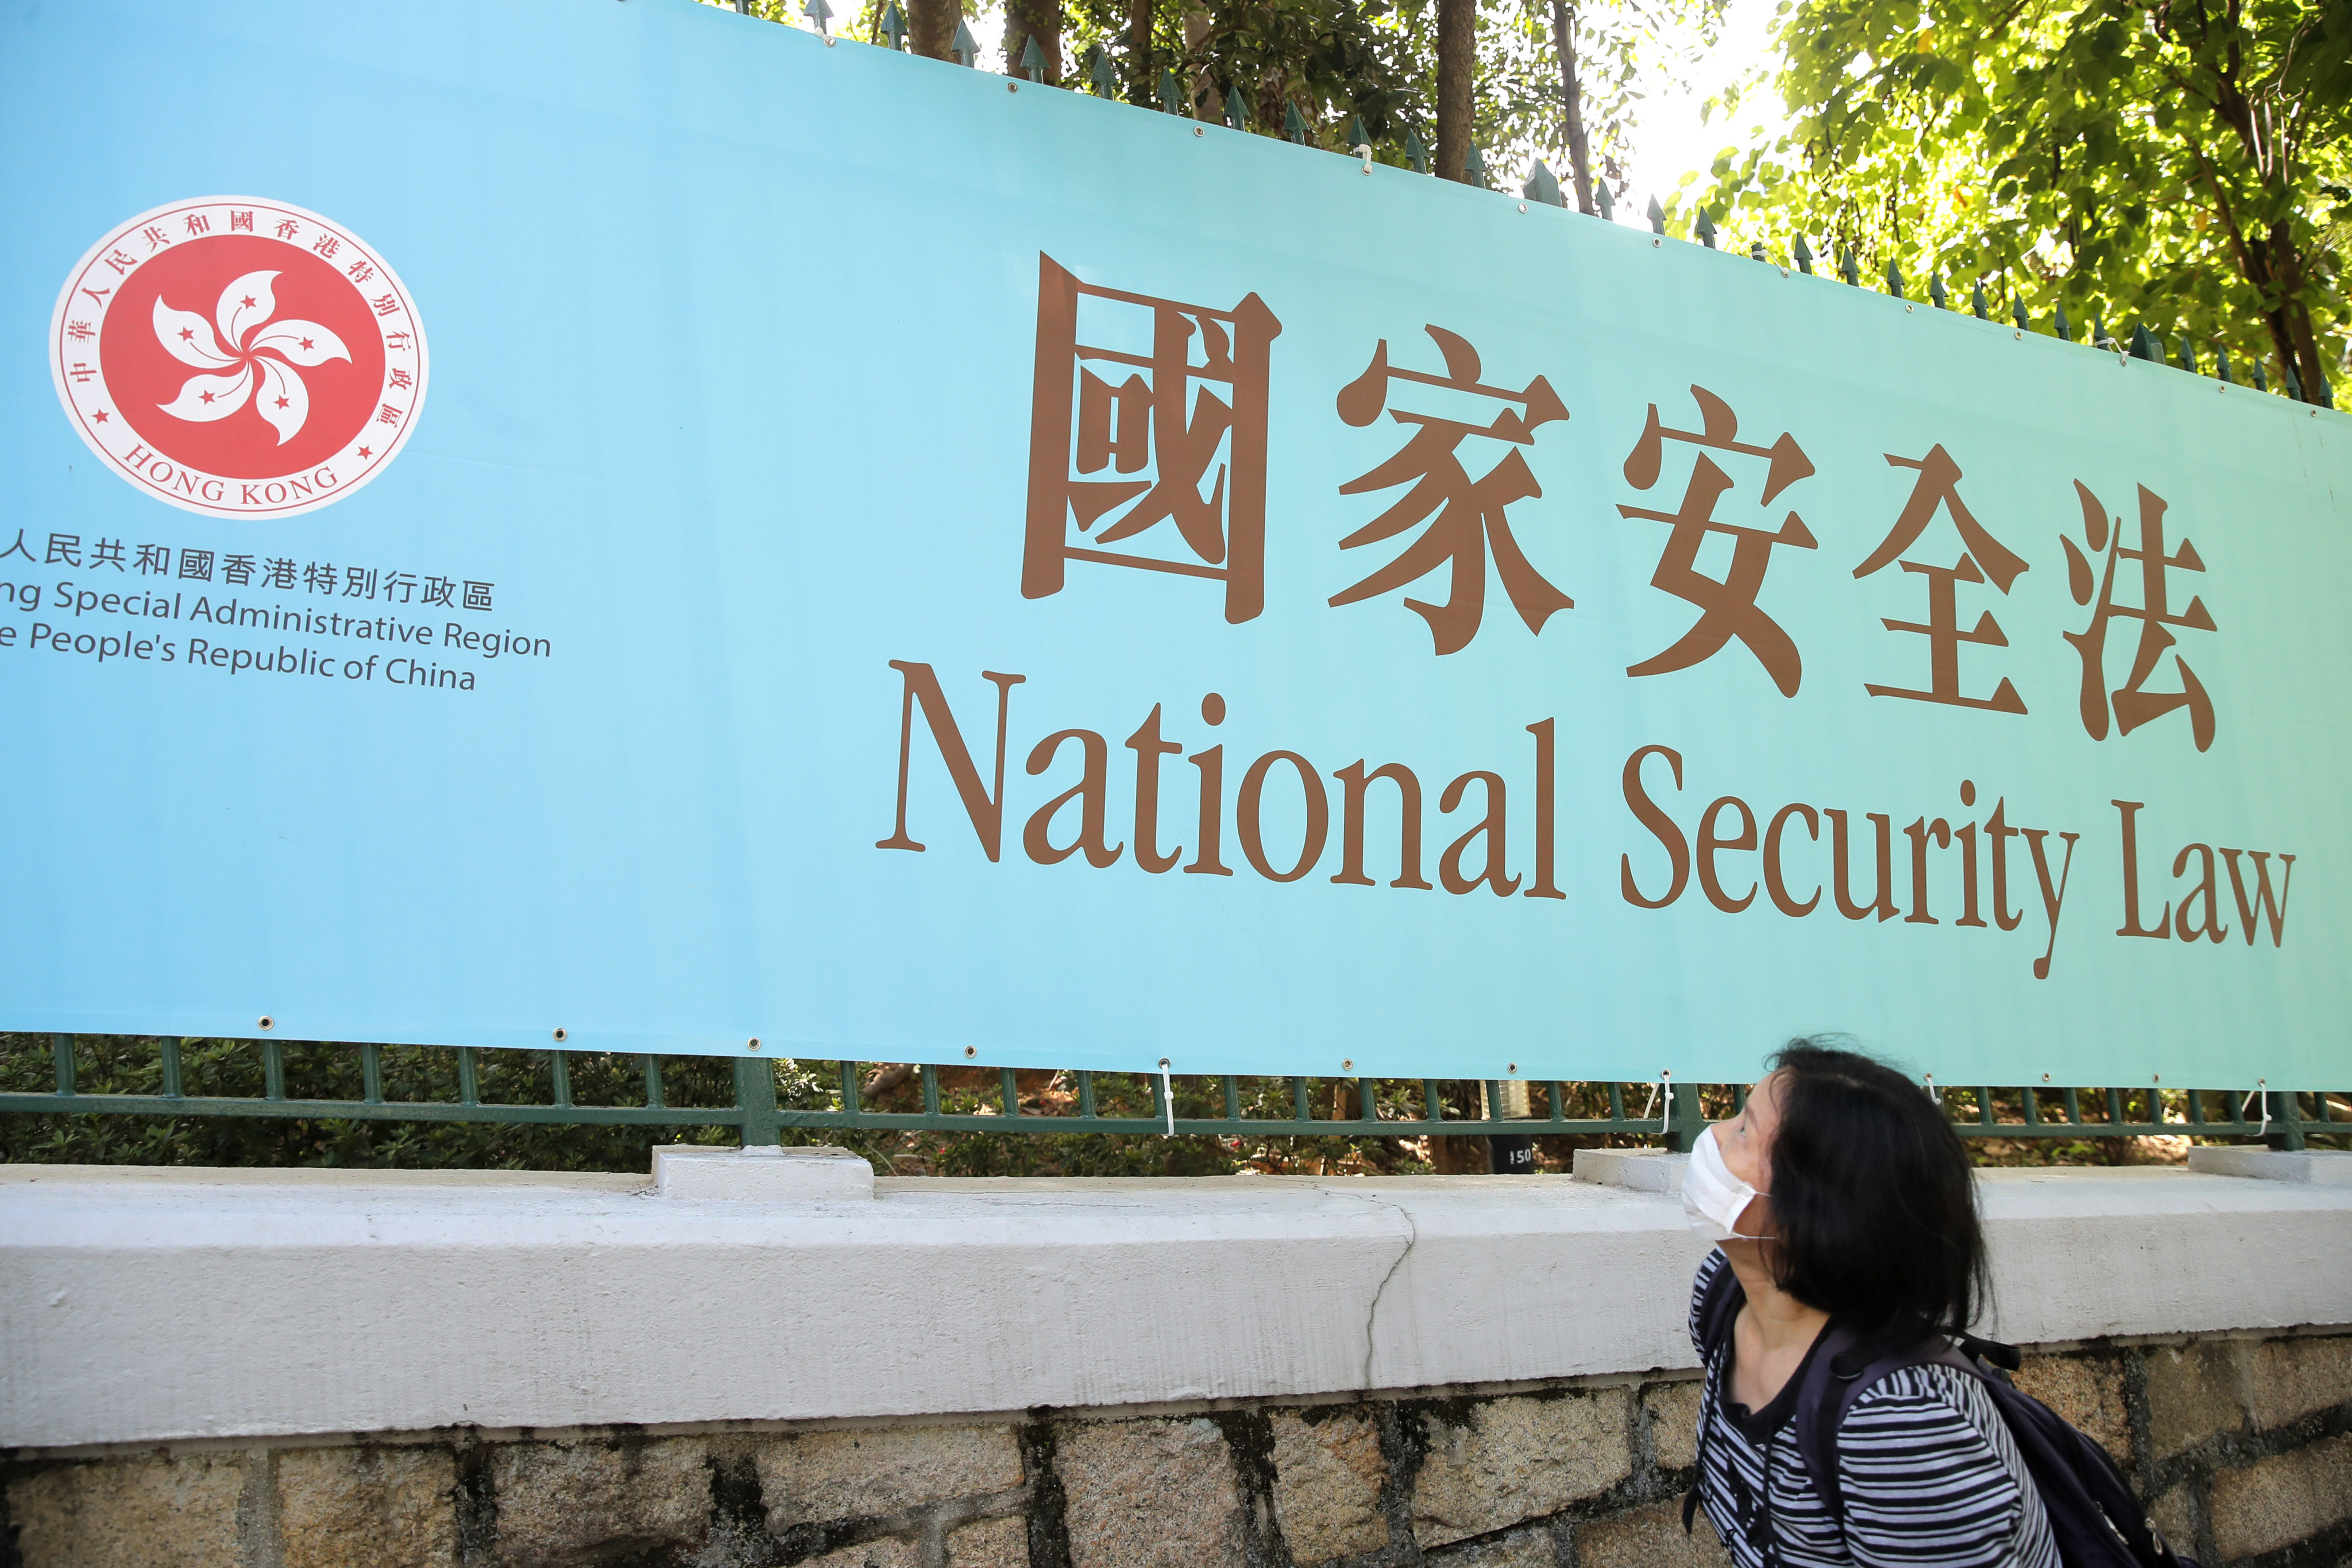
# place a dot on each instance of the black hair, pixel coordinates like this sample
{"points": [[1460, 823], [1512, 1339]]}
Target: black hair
{"points": [[1873, 1204]]}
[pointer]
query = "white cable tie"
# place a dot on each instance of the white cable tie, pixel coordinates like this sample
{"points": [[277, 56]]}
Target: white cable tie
{"points": [[2257, 1092], [1649, 1102], [1167, 1098], [1364, 150]]}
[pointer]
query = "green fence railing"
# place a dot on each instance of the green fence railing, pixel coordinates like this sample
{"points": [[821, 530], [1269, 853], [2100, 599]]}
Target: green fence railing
{"points": [[1141, 1103]]}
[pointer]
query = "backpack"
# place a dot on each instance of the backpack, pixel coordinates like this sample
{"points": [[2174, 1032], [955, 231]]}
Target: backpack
{"points": [[2094, 1517]]}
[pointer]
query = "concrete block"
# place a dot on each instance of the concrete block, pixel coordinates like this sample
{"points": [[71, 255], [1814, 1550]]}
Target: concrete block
{"points": [[2288, 1379], [1643, 1170], [566, 1503], [1672, 1411], [1519, 1458], [990, 1543], [1149, 1494], [368, 1507], [2088, 1392], [2192, 1394], [2288, 1497], [138, 1300], [1326, 1485], [130, 1513], [2310, 1167], [860, 1473], [1649, 1537], [888, 1553], [769, 1174]]}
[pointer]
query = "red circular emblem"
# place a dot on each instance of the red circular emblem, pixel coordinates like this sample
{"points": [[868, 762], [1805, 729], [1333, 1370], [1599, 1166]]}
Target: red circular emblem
{"points": [[240, 357]]}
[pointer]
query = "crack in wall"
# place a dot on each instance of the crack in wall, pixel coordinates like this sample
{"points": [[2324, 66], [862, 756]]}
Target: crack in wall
{"points": [[1372, 1312]]}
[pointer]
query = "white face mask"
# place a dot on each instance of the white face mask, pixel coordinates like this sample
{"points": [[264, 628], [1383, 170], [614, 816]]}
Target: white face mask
{"points": [[1712, 1195]]}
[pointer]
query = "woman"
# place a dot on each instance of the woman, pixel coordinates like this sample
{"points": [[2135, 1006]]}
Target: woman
{"points": [[1841, 1194]]}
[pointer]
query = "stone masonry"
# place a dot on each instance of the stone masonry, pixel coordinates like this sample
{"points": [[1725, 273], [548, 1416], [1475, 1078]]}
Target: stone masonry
{"points": [[2242, 1448]]}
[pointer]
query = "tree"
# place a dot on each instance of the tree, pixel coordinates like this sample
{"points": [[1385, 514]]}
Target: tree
{"points": [[1038, 19], [1571, 99], [1457, 60], [930, 27], [1564, 81], [2182, 164]]}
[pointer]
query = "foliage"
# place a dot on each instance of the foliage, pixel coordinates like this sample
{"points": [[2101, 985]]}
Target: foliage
{"points": [[2177, 162], [1376, 61], [1627, 52]]}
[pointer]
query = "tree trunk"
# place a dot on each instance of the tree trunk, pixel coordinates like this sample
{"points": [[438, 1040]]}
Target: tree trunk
{"points": [[1571, 100], [1457, 63], [1205, 104], [1039, 19], [1142, 79], [1458, 1155], [930, 27], [2275, 270]]}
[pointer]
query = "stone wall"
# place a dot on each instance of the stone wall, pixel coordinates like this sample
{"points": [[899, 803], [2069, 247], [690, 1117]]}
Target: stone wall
{"points": [[2244, 1446]]}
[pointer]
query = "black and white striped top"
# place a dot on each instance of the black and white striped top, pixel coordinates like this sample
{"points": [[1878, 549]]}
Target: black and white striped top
{"points": [[1929, 1474]]}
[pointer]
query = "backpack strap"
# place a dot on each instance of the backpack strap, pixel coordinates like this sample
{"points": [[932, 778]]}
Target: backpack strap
{"points": [[1842, 1371], [1717, 1310]]}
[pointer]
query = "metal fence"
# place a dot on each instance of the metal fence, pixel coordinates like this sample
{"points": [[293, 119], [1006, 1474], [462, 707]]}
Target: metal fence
{"points": [[1107, 1103]]}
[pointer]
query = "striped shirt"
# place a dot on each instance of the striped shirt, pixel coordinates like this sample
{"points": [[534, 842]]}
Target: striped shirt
{"points": [[1928, 1472]]}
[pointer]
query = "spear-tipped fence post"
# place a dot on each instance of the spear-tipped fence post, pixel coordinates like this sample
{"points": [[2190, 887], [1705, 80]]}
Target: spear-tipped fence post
{"points": [[818, 12], [2293, 383], [1171, 96], [1543, 187], [1604, 201], [893, 26], [965, 47], [1705, 228], [1756, 251], [2144, 346], [2222, 364], [1353, 136], [1099, 72], [2099, 339], [1657, 216], [1237, 111], [2065, 328], [2188, 354], [1893, 279], [2017, 313], [1473, 166], [2261, 375], [1849, 269], [1977, 299], [1294, 125], [2326, 398], [1033, 59], [1415, 153], [1802, 254], [1935, 295]]}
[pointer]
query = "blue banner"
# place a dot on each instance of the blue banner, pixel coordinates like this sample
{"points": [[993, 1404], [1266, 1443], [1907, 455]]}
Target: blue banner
{"points": [[622, 523]]}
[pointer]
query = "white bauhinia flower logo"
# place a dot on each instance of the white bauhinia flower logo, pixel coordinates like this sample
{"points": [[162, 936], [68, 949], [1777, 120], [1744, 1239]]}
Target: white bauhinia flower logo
{"points": [[250, 359]]}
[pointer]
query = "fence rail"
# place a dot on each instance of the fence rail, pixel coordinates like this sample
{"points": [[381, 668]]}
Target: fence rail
{"points": [[1672, 1117]]}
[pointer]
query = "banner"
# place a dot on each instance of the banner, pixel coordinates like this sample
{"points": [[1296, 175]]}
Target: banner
{"points": [[626, 525]]}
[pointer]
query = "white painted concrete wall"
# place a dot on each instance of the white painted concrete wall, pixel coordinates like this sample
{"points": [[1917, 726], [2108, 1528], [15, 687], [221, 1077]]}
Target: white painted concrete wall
{"points": [[141, 1305]]}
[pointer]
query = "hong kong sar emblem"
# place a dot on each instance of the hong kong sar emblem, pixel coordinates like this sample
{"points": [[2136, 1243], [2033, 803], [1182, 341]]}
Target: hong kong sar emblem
{"points": [[240, 357]]}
